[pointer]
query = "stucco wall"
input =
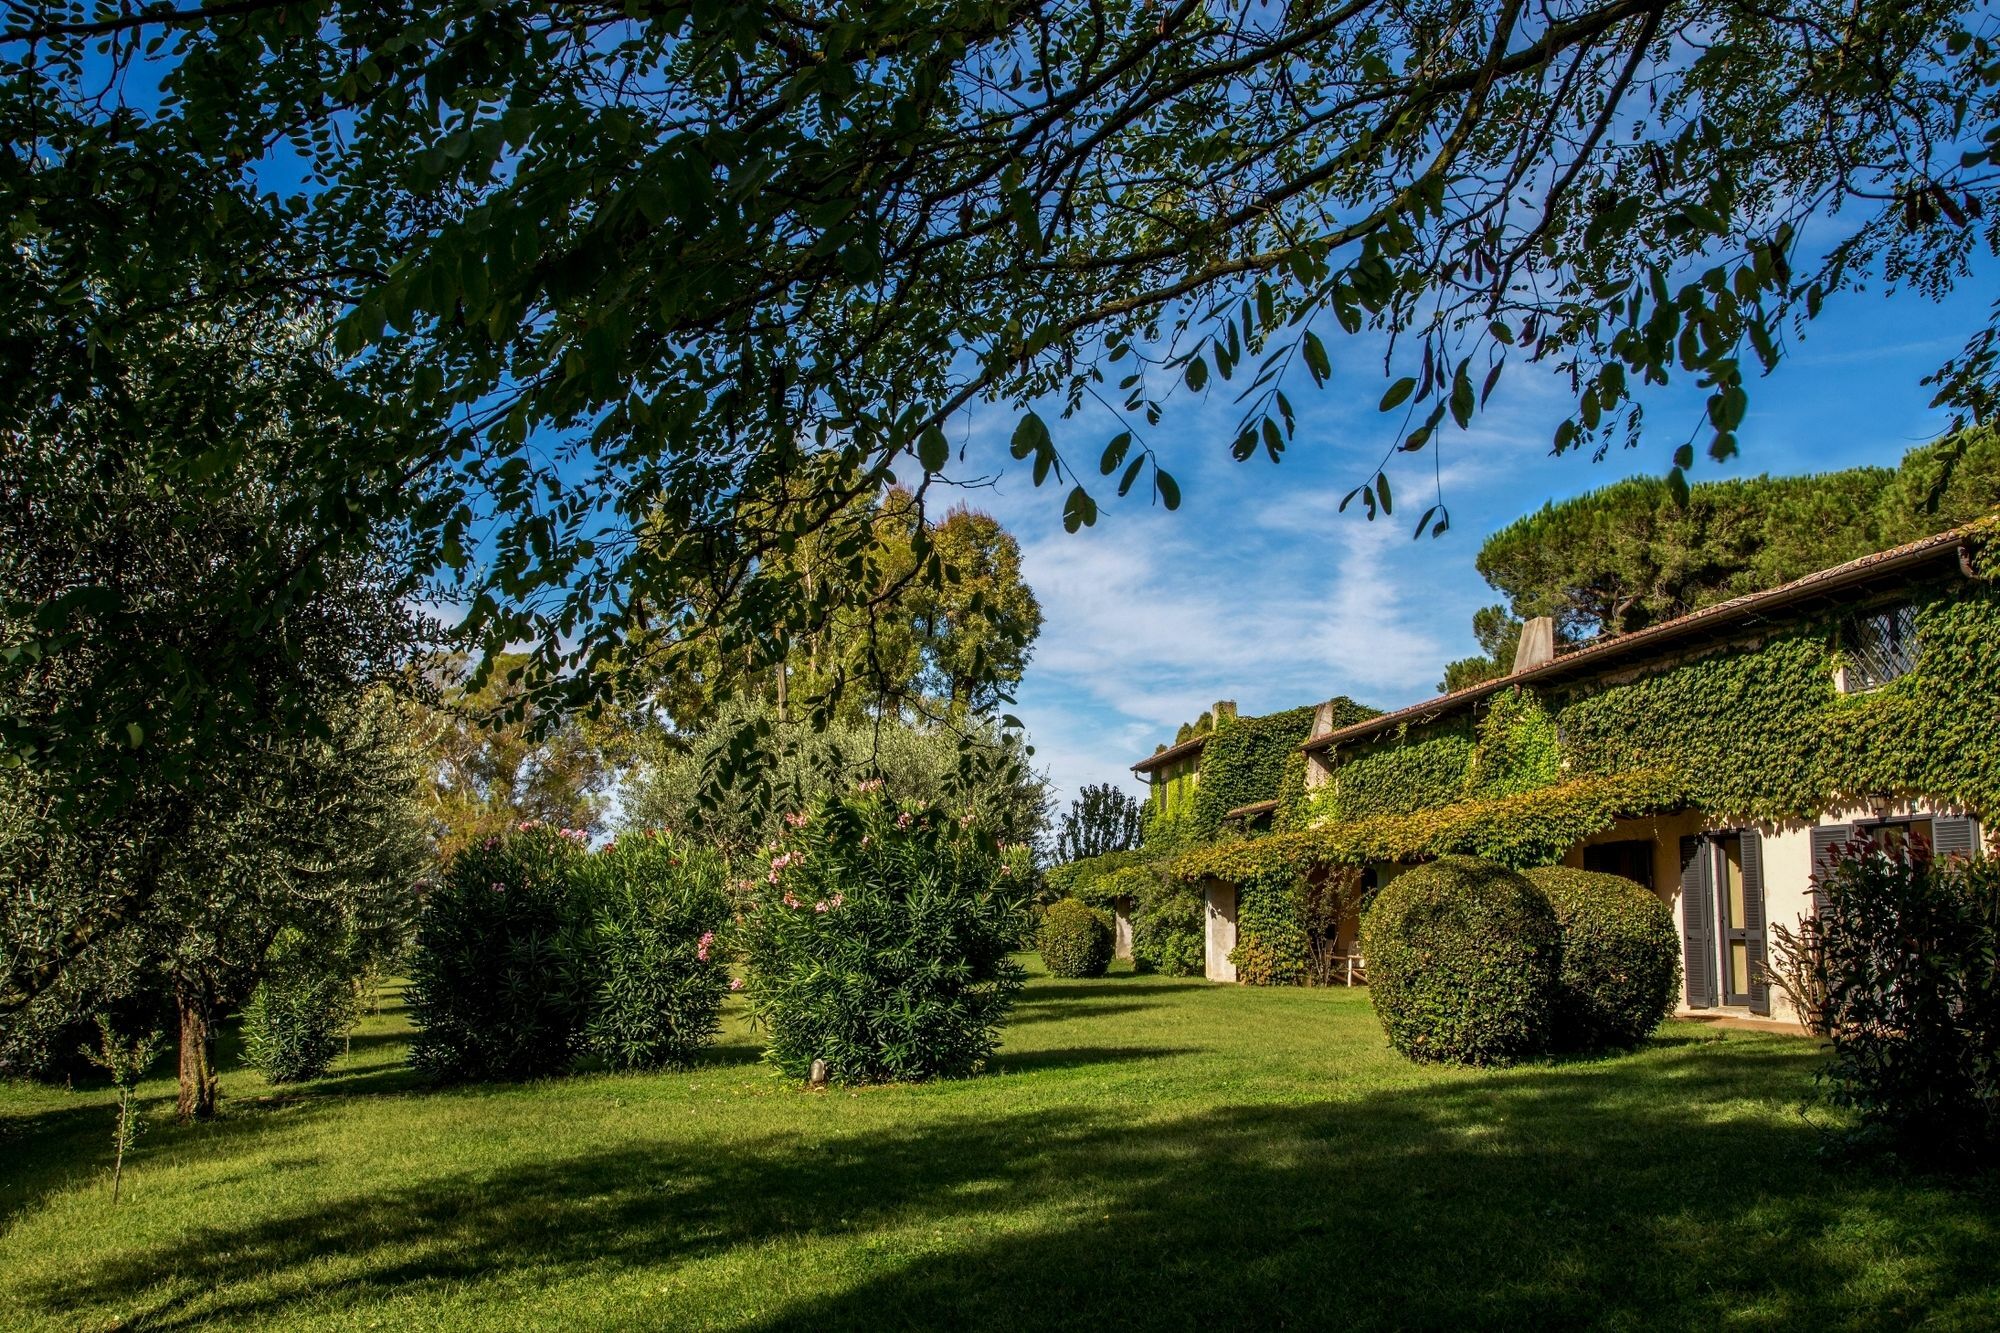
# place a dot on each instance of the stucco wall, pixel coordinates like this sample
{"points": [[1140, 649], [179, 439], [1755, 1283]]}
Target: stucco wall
{"points": [[1787, 860], [1220, 935]]}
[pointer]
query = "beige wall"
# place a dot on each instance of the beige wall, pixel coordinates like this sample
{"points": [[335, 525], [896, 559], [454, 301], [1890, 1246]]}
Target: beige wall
{"points": [[1220, 936], [1787, 861], [1121, 928]]}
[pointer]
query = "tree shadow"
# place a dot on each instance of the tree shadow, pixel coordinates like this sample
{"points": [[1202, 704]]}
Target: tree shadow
{"points": [[1117, 984], [1629, 1193], [1075, 1057], [1025, 1015]]}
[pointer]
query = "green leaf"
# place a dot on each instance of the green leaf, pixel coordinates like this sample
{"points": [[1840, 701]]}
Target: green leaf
{"points": [[1114, 452], [135, 734], [1030, 436], [1382, 491], [933, 449], [1197, 374], [1461, 395], [1398, 392], [1131, 475], [1079, 510], [1170, 491], [1316, 358]]}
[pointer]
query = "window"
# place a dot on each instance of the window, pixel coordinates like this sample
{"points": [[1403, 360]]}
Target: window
{"points": [[1901, 839], [1879, 646], [1631, 857]]}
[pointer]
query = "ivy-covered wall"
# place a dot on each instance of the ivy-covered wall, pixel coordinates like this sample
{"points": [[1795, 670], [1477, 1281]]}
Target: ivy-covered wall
{"points": [[1754, 732], [1244, 763]]}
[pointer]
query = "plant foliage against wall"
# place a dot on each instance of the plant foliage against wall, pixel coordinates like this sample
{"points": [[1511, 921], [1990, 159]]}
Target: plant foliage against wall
{"points": [[1753, 732], [1244, 762], [1758, 731], [1526, 829]]}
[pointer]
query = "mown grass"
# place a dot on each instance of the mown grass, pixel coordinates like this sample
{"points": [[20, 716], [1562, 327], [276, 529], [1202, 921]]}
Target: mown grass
{"points": [[1145, 1152]]}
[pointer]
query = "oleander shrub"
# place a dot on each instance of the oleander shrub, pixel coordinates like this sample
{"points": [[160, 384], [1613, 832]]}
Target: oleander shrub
{"points": [[499, 981], [297, 1018], [1621, 958], [1906, 960], [1075, 940], [657, 910], [877, 940], [1463, 957]]}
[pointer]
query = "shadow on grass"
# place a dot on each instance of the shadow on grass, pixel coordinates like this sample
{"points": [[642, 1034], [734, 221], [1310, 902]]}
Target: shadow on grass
{"points": [[1075, 1057], [1665, 1189]]}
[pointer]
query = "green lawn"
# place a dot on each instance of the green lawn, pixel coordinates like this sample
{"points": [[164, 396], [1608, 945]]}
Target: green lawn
{"points": [[1145, 1151]]}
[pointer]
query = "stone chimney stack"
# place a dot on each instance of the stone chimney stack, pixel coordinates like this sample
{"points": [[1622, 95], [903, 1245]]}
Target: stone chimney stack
{"points": [[1317, 772], [1538, 645]]}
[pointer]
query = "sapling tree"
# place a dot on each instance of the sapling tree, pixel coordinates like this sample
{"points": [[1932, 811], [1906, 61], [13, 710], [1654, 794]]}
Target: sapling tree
{"points": [[126, 1061]]}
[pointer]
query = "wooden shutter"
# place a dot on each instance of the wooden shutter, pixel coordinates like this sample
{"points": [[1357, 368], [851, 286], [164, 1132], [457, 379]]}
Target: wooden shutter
{"points": [[1752, 857], [1698, 923], [1954, 835], [1824, 842]]}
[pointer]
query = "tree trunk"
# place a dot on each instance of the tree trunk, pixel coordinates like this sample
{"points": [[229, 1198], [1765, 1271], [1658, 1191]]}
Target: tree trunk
{"points": [[197, 1096]]}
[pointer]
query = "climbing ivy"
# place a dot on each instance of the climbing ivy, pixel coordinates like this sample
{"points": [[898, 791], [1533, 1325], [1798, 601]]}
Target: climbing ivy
{"points": [[1526, 829], [1244, 762], [1754, 732], [1518, 748], [1763, 734], [1399, 775], [1270, 937]]}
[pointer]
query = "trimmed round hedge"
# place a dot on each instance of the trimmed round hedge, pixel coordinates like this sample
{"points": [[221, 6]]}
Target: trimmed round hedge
{"points": [[1462, 963], [1621, 958], [1074, 941]]}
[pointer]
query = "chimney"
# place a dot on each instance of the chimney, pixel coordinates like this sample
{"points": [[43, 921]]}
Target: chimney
{"points": [[1223, 708], [1317, 771], [1537, 646]]}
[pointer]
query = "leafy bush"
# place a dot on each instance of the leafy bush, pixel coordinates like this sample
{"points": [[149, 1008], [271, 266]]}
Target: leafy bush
{"points": [[499, 987], [301, 1010], [1168, 919], [1621, 958], [878, 940], [1462, 962], [1075, 940], [1906, 954], [656, 907]]}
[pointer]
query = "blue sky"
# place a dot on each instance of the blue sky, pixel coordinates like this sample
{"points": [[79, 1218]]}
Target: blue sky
{"points": [[1257, 590]]}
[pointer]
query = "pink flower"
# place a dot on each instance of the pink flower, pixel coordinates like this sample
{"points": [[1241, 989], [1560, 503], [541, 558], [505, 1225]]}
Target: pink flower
{"points": [[491, 843], [903, 820], [836, 900], [797, 820], [791, 901], [870, 786], [965, 820], [1006, 869], [736, 983], [701, 950], [499, 888], [866, 839], [820, 907]]}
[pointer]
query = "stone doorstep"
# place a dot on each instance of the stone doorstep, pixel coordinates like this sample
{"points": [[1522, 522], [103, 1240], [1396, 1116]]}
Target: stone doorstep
{"points": [[1741, 1022]]}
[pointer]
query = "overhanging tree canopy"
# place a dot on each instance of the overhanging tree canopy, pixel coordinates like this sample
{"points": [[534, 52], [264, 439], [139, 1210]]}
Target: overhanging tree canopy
{"points": [[637, 296]]}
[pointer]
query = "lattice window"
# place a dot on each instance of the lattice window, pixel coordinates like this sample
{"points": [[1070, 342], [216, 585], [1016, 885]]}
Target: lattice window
{"points": [[1880, 646]]}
